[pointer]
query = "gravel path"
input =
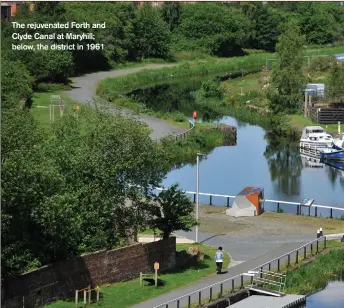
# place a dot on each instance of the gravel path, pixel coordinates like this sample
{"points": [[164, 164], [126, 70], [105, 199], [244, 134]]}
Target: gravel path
{"points": [[84, 88]]}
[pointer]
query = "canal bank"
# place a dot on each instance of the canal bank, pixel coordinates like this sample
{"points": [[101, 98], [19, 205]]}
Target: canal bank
{"points": [[283, 172]]}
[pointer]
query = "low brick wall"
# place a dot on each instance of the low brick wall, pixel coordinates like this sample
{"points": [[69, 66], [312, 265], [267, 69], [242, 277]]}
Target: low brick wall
{"points": [[60, 280]]}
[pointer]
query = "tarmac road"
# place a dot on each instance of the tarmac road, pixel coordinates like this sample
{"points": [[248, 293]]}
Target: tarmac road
{"points": [[84, 88]]}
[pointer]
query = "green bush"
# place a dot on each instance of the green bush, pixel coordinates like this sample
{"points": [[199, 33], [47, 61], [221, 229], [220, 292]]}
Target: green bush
{"points": [[322, 64], [51, 87]]}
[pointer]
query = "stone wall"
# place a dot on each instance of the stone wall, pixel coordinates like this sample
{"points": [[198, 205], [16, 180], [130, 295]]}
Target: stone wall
{"points": [[60, 280]]}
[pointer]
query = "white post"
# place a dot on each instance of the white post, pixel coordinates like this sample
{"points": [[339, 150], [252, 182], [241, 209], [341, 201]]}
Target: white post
{"points": [[305, 105], [85, 300], [97, 295], [338, 127], [76, 298], [197, 188]]}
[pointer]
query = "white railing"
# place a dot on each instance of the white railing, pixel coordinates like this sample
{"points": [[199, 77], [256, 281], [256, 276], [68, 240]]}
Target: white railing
{"points": [[298, 205], [183, 135]]}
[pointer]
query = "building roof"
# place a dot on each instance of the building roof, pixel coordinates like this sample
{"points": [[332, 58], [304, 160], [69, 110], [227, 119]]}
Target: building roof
{"points": [[250, 190]]}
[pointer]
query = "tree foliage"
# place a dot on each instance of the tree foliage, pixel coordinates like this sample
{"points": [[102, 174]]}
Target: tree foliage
{"points": [[336, 82], [16, 83], [151, 34], [287, 76], [222, 34], [172, 210], [264, 25], [171, 13], [69, 193]]}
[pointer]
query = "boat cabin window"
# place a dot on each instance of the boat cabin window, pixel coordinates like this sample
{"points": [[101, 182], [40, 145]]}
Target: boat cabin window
{"points": [[318, 131]]}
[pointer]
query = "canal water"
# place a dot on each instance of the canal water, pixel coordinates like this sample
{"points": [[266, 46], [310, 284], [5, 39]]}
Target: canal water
{"points": [[283, 172], [331, 297]]}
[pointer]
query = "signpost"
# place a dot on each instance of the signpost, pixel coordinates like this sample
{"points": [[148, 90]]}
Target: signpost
{"points": [[156, 267]]}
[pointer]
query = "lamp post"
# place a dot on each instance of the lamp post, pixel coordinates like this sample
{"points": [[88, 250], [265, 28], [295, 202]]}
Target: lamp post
{"points": [[197, 190]]}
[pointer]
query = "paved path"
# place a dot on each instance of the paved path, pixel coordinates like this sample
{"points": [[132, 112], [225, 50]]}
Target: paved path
{"points": [[203, 283], [245, 248], [84, 89]]}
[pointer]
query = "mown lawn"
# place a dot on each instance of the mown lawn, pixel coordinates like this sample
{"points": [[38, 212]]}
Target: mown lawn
{"points": [[125, 294], [300, 121], [41, 103]]}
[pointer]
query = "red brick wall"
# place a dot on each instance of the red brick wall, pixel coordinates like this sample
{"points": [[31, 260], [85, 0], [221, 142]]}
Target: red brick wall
{"points": [[60, 280]]}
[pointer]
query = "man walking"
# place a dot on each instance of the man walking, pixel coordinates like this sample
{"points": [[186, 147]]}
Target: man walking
{"points": [[219, 259]]}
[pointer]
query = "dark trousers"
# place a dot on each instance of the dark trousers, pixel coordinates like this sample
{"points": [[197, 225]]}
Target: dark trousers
{"points": [[218, 266]]}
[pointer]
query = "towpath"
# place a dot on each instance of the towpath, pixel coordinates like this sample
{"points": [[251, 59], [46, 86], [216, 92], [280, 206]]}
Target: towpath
{"points": [[84, 88], [252, 253]]}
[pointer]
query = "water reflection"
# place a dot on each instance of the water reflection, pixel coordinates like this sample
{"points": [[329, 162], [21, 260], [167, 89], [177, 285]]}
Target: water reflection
{"points": [[285, 166], [284, 172], [175, 97], [331, 297]]}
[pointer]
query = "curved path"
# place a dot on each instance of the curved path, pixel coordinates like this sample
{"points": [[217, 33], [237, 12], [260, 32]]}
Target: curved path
{"points": [[84, 88]]}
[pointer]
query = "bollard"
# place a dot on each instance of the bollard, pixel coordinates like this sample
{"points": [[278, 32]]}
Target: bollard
{"points": [[318, 233], [342, 240], [76, 298], [321, 232], [97, 295]]}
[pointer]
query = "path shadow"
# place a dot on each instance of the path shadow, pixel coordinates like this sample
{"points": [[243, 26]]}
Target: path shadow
{"points": [[223, 272], [209, 238]]}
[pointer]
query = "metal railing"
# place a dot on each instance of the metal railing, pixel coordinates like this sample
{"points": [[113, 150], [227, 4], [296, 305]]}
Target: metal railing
{"points": [[184, 134], [234, 283], [272, 280], [278, 203]]}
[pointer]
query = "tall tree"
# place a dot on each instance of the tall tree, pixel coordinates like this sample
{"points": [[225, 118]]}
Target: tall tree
{"points": [[223, 34], [264, 25], [336, 82], [287, 75], [171, 13], [152, 36]]}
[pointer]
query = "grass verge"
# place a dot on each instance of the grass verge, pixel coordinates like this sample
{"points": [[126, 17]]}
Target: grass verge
{"points": [[203, 139], [125, 294], [330, 226], [40, 106], [110, 88], [300, 122], [314, 274]]}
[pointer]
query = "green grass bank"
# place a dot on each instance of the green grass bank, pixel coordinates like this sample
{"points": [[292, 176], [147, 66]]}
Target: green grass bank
{"points": [[125, 294], [313, 274]]}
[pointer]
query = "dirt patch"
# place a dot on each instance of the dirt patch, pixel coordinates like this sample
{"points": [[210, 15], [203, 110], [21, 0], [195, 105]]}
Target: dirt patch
{"points": [[215, 221]]}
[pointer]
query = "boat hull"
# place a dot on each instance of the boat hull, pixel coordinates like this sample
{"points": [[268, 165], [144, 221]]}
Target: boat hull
{"points": [[334, 155]]}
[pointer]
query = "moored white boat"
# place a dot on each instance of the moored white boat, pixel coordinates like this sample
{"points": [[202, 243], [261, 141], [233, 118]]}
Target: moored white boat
{"points": [[332, 154], [315, 137], [338, 143]]}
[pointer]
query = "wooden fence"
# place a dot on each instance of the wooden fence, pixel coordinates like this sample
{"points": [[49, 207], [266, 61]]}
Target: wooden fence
{"points": [[327, 115]]}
